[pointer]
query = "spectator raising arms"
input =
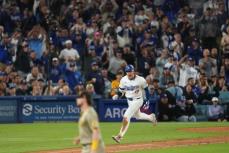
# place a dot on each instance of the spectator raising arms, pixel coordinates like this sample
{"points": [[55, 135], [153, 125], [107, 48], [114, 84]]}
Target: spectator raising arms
{"points": [[69, 52]]}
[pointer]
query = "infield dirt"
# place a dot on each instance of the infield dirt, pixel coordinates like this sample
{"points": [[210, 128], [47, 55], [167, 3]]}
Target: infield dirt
{"points": [[161, 144]]}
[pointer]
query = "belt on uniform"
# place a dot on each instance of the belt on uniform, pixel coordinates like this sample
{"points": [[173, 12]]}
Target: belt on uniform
{"points": [[131, 99], [86, 144]]}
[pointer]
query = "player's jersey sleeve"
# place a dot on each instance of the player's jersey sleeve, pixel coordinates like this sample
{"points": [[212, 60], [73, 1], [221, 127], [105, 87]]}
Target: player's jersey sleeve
{"points": [[143, 83]]}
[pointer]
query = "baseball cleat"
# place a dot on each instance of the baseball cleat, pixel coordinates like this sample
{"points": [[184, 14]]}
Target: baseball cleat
{"points": [[154, 119], [117, 138]]}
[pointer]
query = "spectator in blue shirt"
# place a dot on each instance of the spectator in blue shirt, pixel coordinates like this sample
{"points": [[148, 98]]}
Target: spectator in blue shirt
{"points": [[4, 50], [72, 74], [195, 51], [36, 40], [55, 72], [97, 43]]}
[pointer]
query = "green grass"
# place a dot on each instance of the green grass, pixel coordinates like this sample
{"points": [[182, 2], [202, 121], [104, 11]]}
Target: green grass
{"points": [[17, 138], [210, 148]]}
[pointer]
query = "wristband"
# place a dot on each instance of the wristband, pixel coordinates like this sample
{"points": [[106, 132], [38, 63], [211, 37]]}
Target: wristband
{"points": [[95, 144]]}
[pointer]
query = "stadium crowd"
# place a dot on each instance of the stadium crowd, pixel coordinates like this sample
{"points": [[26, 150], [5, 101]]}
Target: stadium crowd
{"points": [[60, 47]]}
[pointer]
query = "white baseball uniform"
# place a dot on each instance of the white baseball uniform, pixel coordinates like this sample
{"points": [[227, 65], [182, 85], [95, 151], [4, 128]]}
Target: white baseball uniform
{"points": [[134, 92]]}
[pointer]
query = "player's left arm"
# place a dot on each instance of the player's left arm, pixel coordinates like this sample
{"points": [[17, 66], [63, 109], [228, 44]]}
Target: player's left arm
{"points": [[94, 126], [145, 87], [147, 93], [95, 140]]}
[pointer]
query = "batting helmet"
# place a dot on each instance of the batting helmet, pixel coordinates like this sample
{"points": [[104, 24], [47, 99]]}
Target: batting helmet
{"points": [[129, 68]]}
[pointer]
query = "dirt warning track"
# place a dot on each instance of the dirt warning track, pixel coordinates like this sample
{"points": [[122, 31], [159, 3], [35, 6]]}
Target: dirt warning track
{"points": [[161, 144]]}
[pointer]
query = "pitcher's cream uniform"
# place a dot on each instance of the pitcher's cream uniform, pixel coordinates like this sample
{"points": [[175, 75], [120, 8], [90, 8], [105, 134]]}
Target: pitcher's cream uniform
{"points": [[87, 122], [134, 92]]}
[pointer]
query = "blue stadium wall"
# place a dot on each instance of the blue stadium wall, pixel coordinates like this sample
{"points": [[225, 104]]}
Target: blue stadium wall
{"points": [[58, 108]]}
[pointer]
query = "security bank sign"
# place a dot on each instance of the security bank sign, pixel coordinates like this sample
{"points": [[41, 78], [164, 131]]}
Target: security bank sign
{"points": [[40, 111]]}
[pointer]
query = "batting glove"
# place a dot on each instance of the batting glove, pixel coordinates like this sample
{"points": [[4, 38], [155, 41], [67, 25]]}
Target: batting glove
{"points": [[115, 97]]}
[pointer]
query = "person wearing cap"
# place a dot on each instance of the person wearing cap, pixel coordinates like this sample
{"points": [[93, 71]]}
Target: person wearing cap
{"points": [[2, 76], [149, 39], [187, 70], [89, 58], [68, 52], [165, 109], [95, 78], [175, 90], [11, 90], [215, 110], [72, 73], [173, 66], [135, 89], [184, 110], [4, 50], [195, 51], [55, 71]]}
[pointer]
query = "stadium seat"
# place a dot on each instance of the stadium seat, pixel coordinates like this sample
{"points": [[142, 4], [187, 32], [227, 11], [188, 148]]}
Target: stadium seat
{"points": [[224, 97], [201, 112]]}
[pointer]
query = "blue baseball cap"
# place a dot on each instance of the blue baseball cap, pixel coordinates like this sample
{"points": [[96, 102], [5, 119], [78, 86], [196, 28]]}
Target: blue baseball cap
{"points": [[164, 95], [129, 68], [91, 47], [2, 73], [80, 83], [12, 85], [94, 63], [190, 59]]}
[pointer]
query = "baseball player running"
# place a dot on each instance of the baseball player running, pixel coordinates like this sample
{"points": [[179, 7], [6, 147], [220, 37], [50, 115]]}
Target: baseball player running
{"points": [[89, 132], [133, 87]]}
